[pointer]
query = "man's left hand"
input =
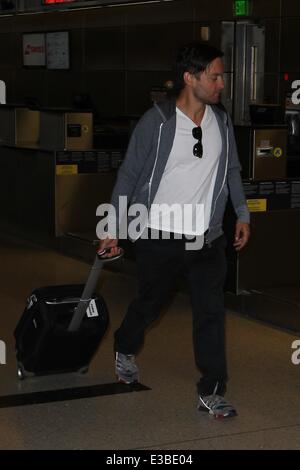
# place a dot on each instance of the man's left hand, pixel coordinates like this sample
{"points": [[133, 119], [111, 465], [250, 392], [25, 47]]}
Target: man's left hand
{"points": [[242, 234]]}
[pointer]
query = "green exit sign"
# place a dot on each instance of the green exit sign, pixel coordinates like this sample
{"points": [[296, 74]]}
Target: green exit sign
{"points": [[241, 7]]}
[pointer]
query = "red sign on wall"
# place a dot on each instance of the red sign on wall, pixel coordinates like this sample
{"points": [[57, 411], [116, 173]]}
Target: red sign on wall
{"points": [[48, 2], [34, 50]]}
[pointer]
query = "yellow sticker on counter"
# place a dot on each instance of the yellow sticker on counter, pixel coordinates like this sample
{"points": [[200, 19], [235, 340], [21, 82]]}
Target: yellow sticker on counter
{"points": [[277, 152], [257, 205], [66, 170]]}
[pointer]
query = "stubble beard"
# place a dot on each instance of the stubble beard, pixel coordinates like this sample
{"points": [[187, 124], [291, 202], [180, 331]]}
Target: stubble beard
{"points": [[206, 101]]}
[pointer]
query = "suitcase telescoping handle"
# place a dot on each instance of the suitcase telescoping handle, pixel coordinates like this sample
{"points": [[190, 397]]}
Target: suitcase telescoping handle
{"points": [[89, 288]]}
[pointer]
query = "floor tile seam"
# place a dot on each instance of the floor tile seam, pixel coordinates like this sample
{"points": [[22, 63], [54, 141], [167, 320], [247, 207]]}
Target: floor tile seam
{"points": [[223, 435]]}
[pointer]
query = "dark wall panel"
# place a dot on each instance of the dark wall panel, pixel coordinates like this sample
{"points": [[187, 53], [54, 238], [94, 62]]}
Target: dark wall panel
{"points": [[30, 83], [29, 23], [212, 10], [17, 50], [105, 48], [139, 85], [6, 57], [61, 85], [103, 18], [153, 47], [272, 45], [76, 50], [290, 7], [271, 88], [6, 24], [58, 21], [106, 89], [289, 45], [166, 12], [267, 8]]}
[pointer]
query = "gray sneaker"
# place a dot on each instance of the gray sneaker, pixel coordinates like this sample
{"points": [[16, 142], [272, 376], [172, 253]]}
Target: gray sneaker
{"points": [[216, 405], [126, 368]]}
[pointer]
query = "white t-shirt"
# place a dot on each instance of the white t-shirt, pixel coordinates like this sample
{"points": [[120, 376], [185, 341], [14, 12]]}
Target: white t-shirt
{"points": [[183, 201]]}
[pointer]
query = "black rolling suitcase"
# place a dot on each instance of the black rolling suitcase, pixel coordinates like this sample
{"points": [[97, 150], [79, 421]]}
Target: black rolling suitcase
{"points": [[61, 327]]}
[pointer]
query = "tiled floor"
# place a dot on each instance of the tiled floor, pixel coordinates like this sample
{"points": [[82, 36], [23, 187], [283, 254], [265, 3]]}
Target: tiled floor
{"points": [[264, 384]]}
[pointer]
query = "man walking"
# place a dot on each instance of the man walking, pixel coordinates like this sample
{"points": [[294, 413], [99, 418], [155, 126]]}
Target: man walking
{"points": [[183, 152]]}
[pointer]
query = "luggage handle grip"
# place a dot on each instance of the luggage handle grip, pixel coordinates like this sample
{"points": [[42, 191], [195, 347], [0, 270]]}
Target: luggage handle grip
{"points": [[90, 287], [112, 258]]}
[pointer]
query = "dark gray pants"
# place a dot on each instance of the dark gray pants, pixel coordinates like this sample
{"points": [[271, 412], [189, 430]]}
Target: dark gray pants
{"points": [[158, 263]]}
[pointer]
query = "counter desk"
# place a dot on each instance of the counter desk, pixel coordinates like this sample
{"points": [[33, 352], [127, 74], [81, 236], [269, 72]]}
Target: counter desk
{"points": [[54, 192], [264, 278]]}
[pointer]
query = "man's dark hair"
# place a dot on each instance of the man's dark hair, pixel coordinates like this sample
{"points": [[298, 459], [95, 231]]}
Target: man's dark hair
{"points": [[193, 57]]}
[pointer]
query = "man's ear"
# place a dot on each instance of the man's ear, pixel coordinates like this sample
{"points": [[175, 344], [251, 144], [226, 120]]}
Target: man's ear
{"points": [[188, 78]]}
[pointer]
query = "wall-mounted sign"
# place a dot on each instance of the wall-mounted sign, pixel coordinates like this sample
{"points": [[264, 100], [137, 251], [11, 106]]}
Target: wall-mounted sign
{"points": [[58, 56], [257, 205], [46, 49], [34, 50], [242, 7]]}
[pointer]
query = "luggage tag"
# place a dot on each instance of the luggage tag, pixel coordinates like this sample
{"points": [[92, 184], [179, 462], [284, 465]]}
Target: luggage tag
{"points": [[92, 310]]}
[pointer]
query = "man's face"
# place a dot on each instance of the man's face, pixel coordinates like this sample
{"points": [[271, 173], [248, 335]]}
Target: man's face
{"points": [[207, 85]]}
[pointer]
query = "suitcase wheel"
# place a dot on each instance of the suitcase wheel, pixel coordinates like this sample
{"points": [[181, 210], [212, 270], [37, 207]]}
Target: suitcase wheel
{"points": [[83, 370]]}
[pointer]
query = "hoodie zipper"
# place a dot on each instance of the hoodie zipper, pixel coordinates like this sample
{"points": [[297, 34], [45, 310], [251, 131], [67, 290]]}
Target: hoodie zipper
{"points": [[154, 166]]}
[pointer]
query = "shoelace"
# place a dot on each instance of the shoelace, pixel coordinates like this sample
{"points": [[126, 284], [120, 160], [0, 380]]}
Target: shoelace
{"points": [[128, 361], [216, 404]]}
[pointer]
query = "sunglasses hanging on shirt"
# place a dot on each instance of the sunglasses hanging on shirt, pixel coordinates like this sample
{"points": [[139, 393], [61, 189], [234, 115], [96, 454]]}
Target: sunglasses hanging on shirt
{"points": [[198, 148]]}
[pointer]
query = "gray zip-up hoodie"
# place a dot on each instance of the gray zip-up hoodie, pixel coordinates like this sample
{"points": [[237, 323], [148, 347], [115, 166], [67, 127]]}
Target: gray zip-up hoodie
{"points": [[149, 148]]}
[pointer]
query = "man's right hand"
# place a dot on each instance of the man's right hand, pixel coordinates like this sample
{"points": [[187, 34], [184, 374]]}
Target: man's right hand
{"points": [[110, 244]]}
